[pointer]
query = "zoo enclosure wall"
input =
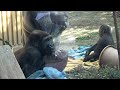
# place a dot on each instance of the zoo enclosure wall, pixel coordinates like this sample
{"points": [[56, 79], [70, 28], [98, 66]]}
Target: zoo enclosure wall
{"points": [[11, 27]]}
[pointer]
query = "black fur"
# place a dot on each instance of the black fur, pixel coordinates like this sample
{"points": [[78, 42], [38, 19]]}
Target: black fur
{"points": [[53, 23], [30, 57], [105, 38]]}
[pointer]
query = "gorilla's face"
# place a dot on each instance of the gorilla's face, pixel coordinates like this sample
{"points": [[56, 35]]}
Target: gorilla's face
{"points": [[42, 41], [60, 19], [48, 45], [54, 22], [57, 30], [104, 29]]}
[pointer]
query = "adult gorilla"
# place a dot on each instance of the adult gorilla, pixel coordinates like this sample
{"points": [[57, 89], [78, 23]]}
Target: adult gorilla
{"points": [[53, 22]]}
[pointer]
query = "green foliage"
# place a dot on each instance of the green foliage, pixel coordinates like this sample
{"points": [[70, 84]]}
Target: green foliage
{"points": [[88, 36], [88, 39], [94, 73]]}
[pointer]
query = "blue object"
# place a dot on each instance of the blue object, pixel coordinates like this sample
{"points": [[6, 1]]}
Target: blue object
{"points": [[40, 15], [79, 53], [37, 75], [48, 73], [53, 73]]}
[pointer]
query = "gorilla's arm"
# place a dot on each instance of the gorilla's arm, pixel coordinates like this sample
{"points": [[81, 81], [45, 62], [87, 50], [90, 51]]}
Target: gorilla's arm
{"points": [[90, 49], [29, 19], [93, 56], [97, 50], [31, 61]]}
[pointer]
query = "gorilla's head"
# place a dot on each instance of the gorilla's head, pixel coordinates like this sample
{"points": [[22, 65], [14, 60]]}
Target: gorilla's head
{"points": [[42, 41], [53, 22], [104, 29], [60, 18]]}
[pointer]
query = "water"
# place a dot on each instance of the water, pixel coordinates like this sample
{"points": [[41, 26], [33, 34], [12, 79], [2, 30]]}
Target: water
{"points": [[68, 44]]}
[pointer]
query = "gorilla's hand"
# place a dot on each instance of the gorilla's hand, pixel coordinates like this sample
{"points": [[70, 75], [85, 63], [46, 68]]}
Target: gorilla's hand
{"points": [[87, 53], [57, 57], [61, 54], [86, 59]]}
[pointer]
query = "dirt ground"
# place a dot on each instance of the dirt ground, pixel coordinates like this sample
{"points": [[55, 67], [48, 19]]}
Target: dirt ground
{"points": [[85, 23]]}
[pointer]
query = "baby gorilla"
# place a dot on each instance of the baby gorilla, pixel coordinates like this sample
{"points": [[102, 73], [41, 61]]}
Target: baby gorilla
{"points": [[30, 57], [105, 38]]}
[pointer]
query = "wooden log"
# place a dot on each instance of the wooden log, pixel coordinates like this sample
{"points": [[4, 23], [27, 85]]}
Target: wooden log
{"points": [[117, 35], [14, 27], [1, 42], [4, 25], [9, 67], [9, 22], [19, 27]]}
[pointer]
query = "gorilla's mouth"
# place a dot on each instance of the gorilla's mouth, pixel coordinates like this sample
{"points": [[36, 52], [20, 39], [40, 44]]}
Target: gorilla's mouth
{"points": [[51, 51]]}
